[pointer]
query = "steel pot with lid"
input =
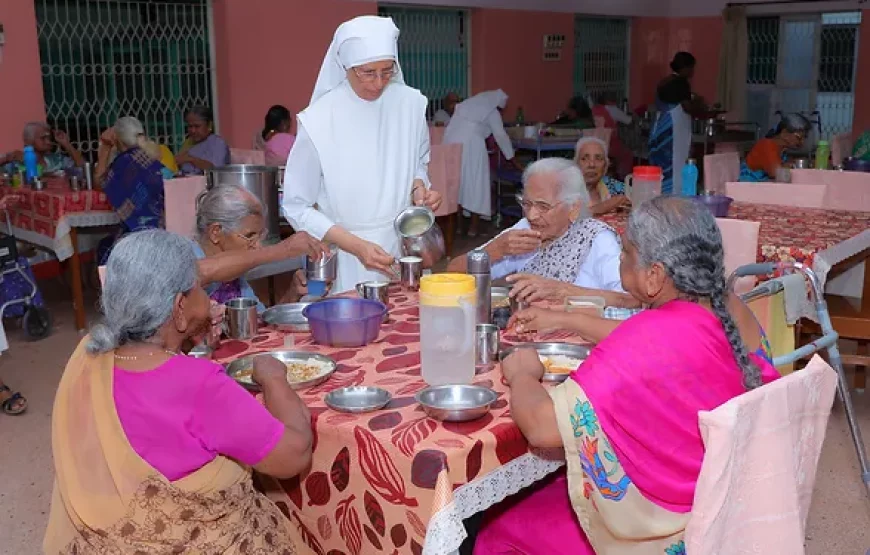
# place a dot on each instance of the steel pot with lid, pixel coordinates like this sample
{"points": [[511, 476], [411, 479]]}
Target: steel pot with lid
{"points": [[260, 181], [420, 235]]}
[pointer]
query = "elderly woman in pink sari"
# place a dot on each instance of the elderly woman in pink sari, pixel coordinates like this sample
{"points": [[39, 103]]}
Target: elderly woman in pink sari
{"points": [[628, 417]]}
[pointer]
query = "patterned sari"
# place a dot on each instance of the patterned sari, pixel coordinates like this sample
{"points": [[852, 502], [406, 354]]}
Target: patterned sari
{"points": [[134, 187], [108, 500], [628, 418]]}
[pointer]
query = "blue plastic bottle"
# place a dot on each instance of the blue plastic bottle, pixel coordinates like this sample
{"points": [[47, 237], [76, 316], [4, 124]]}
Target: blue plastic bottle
{"points": [[690, 179], [31, 172]]}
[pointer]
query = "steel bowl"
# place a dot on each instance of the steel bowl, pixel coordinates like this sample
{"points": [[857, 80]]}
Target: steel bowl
{"points": [[579, 352], [242, 365], [345, 322], [856, 165], [456, 403], [357, 399], [287, 317]]}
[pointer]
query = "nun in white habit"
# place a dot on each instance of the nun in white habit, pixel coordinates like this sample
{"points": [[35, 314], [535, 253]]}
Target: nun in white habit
{"points": [[473, 121], [361, 154]]}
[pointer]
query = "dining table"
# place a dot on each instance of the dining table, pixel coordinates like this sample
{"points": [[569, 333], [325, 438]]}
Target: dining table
{"points": [[395, 480], [51, 217]]}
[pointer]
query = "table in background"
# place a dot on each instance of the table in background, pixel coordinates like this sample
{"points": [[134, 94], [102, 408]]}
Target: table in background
{"points": [[49, 218], [395, 479]]}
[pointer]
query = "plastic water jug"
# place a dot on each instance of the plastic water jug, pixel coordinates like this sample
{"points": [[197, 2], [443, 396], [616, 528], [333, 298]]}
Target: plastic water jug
{"points": [[643, 184], [690, 178], [447, 320]]}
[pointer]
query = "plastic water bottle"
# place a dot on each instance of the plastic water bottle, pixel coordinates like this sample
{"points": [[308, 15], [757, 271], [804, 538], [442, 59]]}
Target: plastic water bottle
{"points": [[823, 152], [31, 172], [690, 178], [521, 116]]}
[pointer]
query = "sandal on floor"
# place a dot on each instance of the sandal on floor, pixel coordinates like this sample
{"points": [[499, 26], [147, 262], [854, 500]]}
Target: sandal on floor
{"points": [[9, 405]]}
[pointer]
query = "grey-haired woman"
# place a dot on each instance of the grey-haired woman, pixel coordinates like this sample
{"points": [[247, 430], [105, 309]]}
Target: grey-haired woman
{"points": [[606, 194], [769, 154], [162, 468], [628, 419]]}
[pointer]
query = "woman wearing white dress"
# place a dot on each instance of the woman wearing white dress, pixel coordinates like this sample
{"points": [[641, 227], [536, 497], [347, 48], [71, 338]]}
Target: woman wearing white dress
{"points": [[473, 121], [362, 152]]}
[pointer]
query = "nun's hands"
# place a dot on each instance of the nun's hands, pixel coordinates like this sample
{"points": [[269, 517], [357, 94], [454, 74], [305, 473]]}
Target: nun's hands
{"points": [[374, 258], [425, 197]]}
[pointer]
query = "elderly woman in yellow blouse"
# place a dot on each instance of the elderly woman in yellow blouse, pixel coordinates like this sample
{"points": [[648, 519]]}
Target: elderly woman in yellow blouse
{"points": [[606, 194]]}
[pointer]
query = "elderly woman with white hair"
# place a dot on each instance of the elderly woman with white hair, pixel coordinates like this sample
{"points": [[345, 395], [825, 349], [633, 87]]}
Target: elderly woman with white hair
{"points": [[556, 250], [606, 194], [162, 468], [230, 225], [42, 138]]}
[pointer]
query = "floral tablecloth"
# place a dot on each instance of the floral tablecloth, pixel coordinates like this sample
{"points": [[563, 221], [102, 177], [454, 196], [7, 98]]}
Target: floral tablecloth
{"points": [[45, 217], [396, 481]]}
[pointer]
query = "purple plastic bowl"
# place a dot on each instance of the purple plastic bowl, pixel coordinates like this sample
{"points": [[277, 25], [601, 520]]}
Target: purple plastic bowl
{"points": [[345, 322], [717, 204]]}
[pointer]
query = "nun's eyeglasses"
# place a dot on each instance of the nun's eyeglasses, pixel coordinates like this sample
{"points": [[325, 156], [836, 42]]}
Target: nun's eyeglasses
{"points": [[369, 75]]}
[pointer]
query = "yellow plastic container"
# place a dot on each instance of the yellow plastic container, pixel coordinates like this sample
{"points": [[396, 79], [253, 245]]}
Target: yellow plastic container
{"points": [[448, 304]]}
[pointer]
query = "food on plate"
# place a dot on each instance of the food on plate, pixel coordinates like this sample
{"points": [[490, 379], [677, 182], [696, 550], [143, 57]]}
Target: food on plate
{"points": [[501, 301], [559, 364], [297, 371]]}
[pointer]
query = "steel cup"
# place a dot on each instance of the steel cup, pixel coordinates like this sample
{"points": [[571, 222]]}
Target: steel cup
{"points": [[486, 344], [241, 318], [410, 271]]}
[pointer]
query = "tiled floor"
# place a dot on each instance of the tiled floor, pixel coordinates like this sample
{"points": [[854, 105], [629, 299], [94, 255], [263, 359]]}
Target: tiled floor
{"points": [[839, 521]]}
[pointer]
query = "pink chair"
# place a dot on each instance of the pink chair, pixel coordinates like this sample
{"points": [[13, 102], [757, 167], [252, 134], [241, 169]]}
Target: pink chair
{"points": [[436, 135], [602, 133], [762, 451], [180, 204], [740, 239], [722, 148], [841, 148], [845, 190], [599, 122], [719, 169], [779, 194], [252, 157], [445, 172]]}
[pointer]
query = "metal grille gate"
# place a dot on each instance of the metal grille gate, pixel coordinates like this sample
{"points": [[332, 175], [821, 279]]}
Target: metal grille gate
{"points": [[601, 56], [103, 59], [803, 63], [433, 49]]}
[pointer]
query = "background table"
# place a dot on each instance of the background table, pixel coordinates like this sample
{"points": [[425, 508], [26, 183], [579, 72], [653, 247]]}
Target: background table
{"points": [[395, 479], [49, 218]]}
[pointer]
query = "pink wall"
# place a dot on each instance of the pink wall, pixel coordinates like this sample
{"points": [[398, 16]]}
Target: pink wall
{"points": [[21, 98], [654, 40], [269, 52], [507, 53]]}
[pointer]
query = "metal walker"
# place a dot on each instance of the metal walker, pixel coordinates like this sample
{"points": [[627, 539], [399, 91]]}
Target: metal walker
{"points": [[36, 322]]}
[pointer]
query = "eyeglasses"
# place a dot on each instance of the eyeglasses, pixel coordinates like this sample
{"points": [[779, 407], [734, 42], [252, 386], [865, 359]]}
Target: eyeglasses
{"points": [[252, 240], [542, 207], [369, 75]]}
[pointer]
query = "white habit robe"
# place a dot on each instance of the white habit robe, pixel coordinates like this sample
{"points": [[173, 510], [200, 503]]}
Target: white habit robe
{"points": [[473, 121], [355, 159]]}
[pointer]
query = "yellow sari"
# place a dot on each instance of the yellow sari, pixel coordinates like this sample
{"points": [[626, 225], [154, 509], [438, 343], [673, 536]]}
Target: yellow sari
{"points": [[108, 500]]}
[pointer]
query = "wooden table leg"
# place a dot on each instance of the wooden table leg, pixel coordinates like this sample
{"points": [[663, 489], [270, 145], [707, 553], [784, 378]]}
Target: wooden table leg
{"points": [[76, 269]]}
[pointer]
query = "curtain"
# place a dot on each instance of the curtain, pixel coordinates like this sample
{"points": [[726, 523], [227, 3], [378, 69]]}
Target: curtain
{"points": [[732, 63]]}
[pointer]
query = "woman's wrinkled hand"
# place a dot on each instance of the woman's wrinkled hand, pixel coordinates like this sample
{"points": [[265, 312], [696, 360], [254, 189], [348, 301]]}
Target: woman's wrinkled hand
{"points": [[269, 369], [522, 362], [532, 320], [529, 288], [301, 243], [516, 242], [216, 314]]}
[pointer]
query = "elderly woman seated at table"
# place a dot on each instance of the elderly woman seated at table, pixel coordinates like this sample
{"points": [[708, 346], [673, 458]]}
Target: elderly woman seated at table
{"points": [[42, 138], [628, 418], [606, 194], [111, 146], [230, 226], [162, 467], [557, 250], [769, 154], [203, 149]]}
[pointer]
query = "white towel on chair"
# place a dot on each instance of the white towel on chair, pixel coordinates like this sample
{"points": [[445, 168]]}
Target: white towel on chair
{"points": [[795, 290]]}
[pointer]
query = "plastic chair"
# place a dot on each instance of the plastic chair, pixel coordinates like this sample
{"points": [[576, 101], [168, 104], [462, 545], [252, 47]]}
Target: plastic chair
{"points": [[445, 174], [720, 169], [740, 239], [845, 190], [252, 157], [180, 204]]}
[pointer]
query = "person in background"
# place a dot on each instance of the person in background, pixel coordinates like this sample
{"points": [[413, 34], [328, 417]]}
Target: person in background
{"points": [[613, 117], [577, 115], [163, 468], [629, 486], [768, 155], [472, 123], [230, 227], [448, 106], [606, 194], [41, 137], [275, 138], [556, 250], [671, 134], [11, 402], [861, 150], [361, 153], [108, 151], [203, 149]]}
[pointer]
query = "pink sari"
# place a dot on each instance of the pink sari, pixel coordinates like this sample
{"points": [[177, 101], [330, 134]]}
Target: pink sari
{"points": [[629, 422]]}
